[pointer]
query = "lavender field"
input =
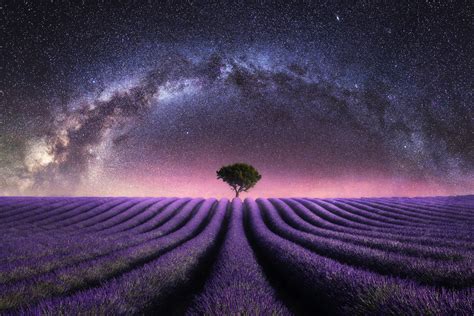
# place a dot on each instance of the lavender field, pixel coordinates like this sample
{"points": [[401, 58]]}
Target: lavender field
{"points": [[118, 256]]}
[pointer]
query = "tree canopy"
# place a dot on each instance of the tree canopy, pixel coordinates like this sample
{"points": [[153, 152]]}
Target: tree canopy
{"points": [[240, 176]]}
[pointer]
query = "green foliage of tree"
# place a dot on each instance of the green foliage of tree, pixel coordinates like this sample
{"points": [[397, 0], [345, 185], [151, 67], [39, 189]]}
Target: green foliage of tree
{"points": [[240, 176]]}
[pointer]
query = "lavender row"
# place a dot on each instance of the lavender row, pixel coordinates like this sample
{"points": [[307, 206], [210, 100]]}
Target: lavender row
{"points": [[446, 227], [151, 287], [289, 212], [42, 212], [424, 271], [45, 236], [438, 203], [77, 277], [409, 214], [237, 285], [36, 207], [321, 217], [77, 237], [355, 221], [421, 210], [365, 217], [105, 247], [326, 286], [99, 255]]}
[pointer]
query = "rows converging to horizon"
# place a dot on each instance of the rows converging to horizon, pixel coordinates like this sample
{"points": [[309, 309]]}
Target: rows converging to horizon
{"points": [[256, 256]]}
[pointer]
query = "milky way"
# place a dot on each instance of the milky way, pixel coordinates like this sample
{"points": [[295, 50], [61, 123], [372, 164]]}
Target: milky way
{"points": [[323, 99]]}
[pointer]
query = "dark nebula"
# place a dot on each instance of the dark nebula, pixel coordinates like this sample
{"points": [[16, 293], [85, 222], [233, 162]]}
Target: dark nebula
{"points": [[324, 99]]}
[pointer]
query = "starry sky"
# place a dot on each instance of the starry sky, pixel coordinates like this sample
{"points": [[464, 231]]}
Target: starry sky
{"points": [[150, 98]]}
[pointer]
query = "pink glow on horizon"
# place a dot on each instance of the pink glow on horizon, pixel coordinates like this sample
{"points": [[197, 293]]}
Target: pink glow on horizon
{"points": [[192, 185]]}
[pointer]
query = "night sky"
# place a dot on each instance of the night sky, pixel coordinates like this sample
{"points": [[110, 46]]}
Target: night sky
{"points": [[324, 99]]}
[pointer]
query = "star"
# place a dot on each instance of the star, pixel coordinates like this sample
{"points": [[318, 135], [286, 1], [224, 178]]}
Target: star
{"points": [[99, 93]]}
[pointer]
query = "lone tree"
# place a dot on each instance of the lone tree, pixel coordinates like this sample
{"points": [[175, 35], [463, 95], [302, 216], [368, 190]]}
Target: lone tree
{"points": [[240, 176]]}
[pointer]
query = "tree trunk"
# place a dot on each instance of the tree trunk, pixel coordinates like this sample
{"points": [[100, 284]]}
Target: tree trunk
{"points": [[237, 193]]}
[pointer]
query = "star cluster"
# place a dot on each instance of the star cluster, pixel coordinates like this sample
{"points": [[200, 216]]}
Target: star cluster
{"points": [[323, 99]]}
